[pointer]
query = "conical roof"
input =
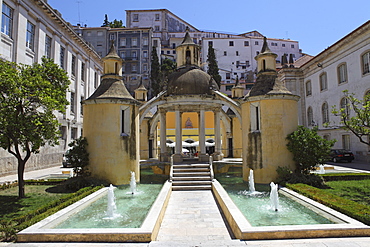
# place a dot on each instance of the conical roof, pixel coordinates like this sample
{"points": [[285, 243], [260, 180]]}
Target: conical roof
{"points": [[112, 52], [111, 88], [265, 47]]}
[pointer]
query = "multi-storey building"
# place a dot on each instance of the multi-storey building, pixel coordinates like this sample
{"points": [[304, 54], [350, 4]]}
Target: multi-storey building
{"points": [[235, 57], [134, 46], [322, 80], [234, 52], [32, 29]]}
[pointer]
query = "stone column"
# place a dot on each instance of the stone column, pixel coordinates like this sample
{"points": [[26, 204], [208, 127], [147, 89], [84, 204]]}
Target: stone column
{"points": [[177, 157], [217, 155], [162, 134], [202, 137]]}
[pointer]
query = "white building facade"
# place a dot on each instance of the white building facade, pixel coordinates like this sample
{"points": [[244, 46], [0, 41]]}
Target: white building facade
{"points": [[321, 82], [32, 29]]}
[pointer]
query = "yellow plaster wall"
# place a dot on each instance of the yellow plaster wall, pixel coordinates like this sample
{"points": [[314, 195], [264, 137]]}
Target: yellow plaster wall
{"points": [[237, 137], [278, 118], [112, 157], [144, 139]]}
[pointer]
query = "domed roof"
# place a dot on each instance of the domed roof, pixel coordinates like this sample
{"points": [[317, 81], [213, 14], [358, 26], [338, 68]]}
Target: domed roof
{"points": [[190, 80]]}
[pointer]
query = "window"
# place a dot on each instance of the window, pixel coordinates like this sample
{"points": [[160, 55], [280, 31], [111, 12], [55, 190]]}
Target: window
{"points": [[346, 142], [122, 42], [255, 115], [125, 121], [112, 36], [145, 68], [123, 54], [225, 53], [100, 33], [325, 113], [257, 53], [134, 41], [88, 33], [210, 43], [342, 73], [256, 42], [344, 104], [82, 109], [72, 102], [310, 121], [73, 65], [246, 43], [30, 35], [134, 68], [136, 17], [292, 46], [7, 20], [145, 54], [247, 63], [99, 43], [156, 28], [82, 71], [73, 133], [237, 53], [283, 45], [308, 88], [173, 45], [145, 41], [157, 17], [155, 43], [47, 46], [231, 43], [323, 82], [229, 87], [62, 56], [227, 76], [95, 79], [365, 63]]}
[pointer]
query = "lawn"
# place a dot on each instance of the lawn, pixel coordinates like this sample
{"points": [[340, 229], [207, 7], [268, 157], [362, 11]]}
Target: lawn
{"points": [[355, 190], [36, 197]]}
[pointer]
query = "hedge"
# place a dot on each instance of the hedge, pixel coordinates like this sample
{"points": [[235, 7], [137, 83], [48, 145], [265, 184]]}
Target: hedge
{"points": [[353, 209], [345, 176]]}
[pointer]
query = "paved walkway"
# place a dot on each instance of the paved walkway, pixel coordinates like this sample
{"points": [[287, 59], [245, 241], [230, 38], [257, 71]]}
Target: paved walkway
{"points": [[192, 215]]}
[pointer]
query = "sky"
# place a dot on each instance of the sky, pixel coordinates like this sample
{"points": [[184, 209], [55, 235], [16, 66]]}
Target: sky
{"points": [[315, 24]]}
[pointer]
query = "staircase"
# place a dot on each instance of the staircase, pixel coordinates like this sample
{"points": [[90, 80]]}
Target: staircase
{"points": [[191, 177]]}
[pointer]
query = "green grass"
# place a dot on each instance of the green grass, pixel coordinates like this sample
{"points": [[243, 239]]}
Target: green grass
{"points": [[36, 197], [355, 190]]}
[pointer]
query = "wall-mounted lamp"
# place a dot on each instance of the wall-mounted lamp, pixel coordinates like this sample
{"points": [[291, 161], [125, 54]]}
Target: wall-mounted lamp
{"points": [[319, 65]]}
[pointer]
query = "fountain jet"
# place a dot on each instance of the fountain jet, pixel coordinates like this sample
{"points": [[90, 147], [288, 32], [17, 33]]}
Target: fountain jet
{"points": [[133, 183], [111, 206], [274, 197]]}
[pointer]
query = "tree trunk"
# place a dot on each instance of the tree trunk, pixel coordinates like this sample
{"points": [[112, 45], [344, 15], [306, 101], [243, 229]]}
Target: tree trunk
{"points": [[21, 165]]}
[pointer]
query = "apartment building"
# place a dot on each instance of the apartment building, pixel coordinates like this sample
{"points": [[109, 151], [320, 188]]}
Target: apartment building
{"points": [[31, 29], [134, 46], [234, 52]]}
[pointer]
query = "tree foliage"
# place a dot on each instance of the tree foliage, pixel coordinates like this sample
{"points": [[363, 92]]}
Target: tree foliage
{"points": [[113, 24], [308, 148], [213, 66], [359, 124], [78, 157], [30, 94], [155, 73], [167, 67]]}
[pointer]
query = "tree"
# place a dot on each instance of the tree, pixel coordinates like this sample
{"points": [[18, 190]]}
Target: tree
{"points": [[308, 148], [359, 124], [78, 157], [167, 67], [116, 24], [155, 72], [30, 94], [106, 22], [212, 65]]}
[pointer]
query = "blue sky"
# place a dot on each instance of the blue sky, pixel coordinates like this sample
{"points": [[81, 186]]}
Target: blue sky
{"points": [[316, 24]]}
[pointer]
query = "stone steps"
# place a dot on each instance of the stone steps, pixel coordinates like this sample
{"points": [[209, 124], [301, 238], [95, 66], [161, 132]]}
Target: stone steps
{"points": [[187, 177]]}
